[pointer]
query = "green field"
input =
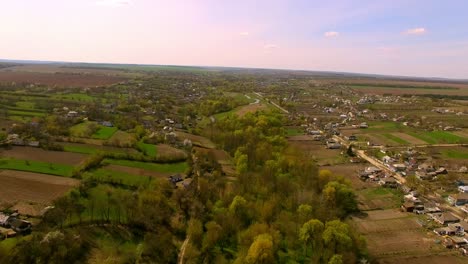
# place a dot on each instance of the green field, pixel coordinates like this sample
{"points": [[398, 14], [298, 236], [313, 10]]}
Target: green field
{"points": [[24, 104], [385, 127], [104, 133], [80, 97], [36, 166], [396, 139], [455, 154], [26, 113], [294, 131], [179, 167], [117, 177], [80, 130], [439, 137], [147, 149]]}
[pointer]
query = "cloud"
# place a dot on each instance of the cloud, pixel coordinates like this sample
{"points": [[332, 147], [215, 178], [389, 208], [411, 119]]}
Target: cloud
{"points": [[270, 46], [113, 3], [245, 33], [331, 34], [415, 31]]}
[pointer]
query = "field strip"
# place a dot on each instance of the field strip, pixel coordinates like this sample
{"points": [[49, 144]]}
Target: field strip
{"points": [[412, 140], [38, 177]]}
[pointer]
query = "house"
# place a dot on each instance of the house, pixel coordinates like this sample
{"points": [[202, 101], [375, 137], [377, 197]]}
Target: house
{"points": [[463, 189], [107, 124], [445, 218], [407, 206], [33, 143], [4, 219], [446, 231], [398, 167], [19, 226], [388, 182], [363, 125], [72, 114], [175, 178], [459, 199]]}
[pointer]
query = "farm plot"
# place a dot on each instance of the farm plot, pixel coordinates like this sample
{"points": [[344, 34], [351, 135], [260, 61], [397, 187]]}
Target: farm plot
{"points": [[114, 174], [147, 149], [90, 149], [350, 172], [167, 168], [104, 132], [40, 155], [35, 188], [122, 139], [58, 79], [439, 137], [196, 140], [317, 151], [36, 166], [167, 152], [408, 138], [391, 233], [379, 198]]}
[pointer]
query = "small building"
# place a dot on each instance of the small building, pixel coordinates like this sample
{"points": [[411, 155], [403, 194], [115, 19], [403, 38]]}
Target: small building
{"points": [[72, 114], [363, 125], [407, 207], [458, 199], [388, 182], [463, 189], [446, 218]]}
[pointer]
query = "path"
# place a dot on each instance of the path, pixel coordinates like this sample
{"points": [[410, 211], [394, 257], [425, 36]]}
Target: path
{"points": [[182, 250], [273, 103]]}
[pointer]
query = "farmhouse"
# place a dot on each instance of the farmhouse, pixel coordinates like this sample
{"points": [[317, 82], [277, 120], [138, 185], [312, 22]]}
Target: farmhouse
{"points": [[459, 199], [463, 189], [445, 218], [388, 182]]}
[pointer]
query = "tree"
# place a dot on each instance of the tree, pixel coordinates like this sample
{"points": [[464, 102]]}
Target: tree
{"points": [[261, 250], [336, 259], [336, 238], [311, 235]]}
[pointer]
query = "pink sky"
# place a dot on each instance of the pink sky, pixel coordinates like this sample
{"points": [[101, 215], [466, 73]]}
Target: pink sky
{"points": [[335, 36]]}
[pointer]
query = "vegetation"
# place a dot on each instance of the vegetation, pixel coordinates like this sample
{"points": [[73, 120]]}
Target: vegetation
{"points": [[36, 166]]}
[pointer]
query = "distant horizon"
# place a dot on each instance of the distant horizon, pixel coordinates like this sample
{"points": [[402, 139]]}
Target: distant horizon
{"points": [[423, 38], [363, 74]]}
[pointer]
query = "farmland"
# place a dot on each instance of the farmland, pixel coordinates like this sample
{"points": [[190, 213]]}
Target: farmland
{"points": [[160, 164]]}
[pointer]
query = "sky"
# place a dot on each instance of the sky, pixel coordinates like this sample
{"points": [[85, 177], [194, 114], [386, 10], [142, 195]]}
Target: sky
{"points": [[427, 38]]}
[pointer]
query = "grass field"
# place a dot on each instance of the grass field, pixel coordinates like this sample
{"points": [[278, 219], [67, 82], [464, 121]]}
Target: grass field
{"points": [[117, 177], [396, 139], [36, 166], [455, 154], [179, 167], [80, 130], [26, 113], [439, 137], [24, 104], [81, 97], [104, 133], [147, 149], [290, 131]]}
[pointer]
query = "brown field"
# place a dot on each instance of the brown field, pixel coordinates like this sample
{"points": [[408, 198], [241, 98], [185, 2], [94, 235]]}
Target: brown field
{"points": [[410, 139], [196, 140], [59, 79], [250, 108], [317, 150], [167, 151], [350, 172], [30, 189], [223, 158], [301, 138], [52, 69], [103, 148], [37, 154], [436, 258], [390, 233]]}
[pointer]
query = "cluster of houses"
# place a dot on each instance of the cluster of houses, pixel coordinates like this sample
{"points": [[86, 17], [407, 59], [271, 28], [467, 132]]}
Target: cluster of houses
{"points": [[377, 175], [11, 225], [16, 140]]}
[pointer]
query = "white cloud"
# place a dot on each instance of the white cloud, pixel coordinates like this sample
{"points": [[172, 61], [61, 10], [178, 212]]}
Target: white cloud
{"points": [[415, 31], [245, 33], [331, 34], [113, 3], [270, 46]]}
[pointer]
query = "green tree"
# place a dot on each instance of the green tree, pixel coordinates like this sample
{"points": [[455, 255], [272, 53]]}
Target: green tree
{"points": [[311, 235], [261, 251]]}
